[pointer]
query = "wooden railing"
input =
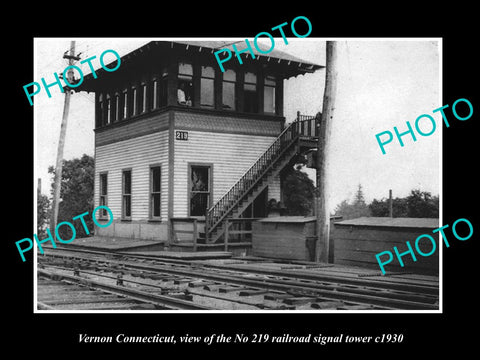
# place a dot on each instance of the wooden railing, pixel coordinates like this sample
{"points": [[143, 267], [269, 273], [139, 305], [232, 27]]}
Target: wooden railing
{"points": [[302, 126], [242, 234], [308, 125], [193, 231]]}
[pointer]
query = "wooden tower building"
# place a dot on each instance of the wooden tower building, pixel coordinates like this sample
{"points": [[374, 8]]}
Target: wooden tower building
{"points": [[181, 145]]}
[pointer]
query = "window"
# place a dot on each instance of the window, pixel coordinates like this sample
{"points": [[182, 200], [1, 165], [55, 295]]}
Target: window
{"points": [[103, 191], [155, 94], [185, 84], [199, 185], [100, 111], [163, 90], [142, 103], [160, 88], [108, 117], [228, 90], [126, 194], [269, 94], [125, 104], [206, 87], [117, 107], [155, 185], [250, 93], [134, 101]]}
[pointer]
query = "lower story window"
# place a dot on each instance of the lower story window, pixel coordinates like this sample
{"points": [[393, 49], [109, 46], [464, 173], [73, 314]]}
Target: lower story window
{"points": [[155, 183], [126, 194], [200, 189]]}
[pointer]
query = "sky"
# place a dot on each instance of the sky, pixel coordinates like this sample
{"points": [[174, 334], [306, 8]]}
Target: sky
{"points": [[381, 83]]}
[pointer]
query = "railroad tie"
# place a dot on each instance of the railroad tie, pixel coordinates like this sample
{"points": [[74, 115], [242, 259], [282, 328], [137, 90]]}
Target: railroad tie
{"points": [[199, 283], [327, 305], [276, 296], [226, 289], [299, 300], [253, 292], [181, 281]]}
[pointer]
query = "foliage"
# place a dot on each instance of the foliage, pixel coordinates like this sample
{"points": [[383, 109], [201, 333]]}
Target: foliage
{"points": [[298, 191], [43, 215], [417, 204], [76, 194], [356, 208]]}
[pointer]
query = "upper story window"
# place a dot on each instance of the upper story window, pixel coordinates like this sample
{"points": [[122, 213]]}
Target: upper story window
{"points": [[134, 101], [108, 115], [207, 87], [125, 104], [160, 89], [250, 93], [99, 111], [228, 90], [269, 94], [142, 98], [117, 107], [185, 84], [163, 88]]}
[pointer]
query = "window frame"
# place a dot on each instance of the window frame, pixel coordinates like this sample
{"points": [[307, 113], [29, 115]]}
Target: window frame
{"points": [[126, 195], [103, 193], [266, 86], [125, 99], [152, 215], [108, 109], [189, 187], [230, 82], [204, 78], [183, 77], [255, 105]]}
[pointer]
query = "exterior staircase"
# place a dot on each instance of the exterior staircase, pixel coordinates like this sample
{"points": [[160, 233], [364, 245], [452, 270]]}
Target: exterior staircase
{"points": [[298, 137]]}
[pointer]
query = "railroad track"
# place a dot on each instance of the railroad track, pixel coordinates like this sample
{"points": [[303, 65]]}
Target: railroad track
{"points": [[200, 285]]}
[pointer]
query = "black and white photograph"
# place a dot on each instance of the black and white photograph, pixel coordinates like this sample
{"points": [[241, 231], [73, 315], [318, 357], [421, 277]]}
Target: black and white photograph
{"points": [[210, 171], [282, 185]]}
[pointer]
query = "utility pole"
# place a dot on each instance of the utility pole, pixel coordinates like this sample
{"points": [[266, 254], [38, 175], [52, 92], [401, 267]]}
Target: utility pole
{"points": [[390, 203], [61, 141], [323, 217]]}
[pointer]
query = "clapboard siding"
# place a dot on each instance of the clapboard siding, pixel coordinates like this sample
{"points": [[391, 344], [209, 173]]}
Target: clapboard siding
{"points": [[129, 129], [136, 154], [231, 156]]}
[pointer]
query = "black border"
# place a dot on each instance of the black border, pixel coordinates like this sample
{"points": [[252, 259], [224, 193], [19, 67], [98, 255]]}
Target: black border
{"points": [[423, 333]]}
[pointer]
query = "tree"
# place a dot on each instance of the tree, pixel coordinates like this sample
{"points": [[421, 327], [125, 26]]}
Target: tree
{"points": [[380, 208], [417, 204], [355, 209], [43, 215], [76, 194], [422, 204], [299, 191]]}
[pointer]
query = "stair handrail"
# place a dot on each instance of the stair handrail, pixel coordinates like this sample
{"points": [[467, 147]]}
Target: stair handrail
{"points": [[251, 176]]}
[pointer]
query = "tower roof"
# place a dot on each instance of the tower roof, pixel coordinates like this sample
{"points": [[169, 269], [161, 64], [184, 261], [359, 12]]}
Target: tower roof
{"points": [[286, 65]]}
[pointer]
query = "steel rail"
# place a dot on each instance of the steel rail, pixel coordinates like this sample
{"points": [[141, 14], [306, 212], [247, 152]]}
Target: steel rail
{"points": [[382, 297], [284, 273], [131, 294]]}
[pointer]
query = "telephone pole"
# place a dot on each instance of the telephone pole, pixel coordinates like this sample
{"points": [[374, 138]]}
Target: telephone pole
{"points": [[323, 216], [61, 141]]}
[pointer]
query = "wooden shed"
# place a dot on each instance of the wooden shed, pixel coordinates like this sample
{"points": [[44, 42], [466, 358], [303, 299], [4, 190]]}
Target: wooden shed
{"points": [[284, 237], [357, 241]]}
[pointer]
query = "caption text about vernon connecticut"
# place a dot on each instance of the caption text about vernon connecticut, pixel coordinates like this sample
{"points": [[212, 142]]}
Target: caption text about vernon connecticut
{"points": [[239, 338]]}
